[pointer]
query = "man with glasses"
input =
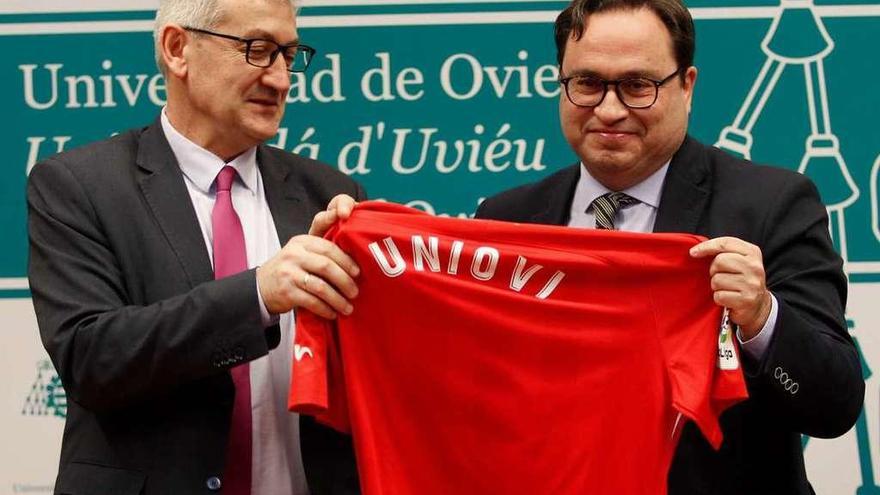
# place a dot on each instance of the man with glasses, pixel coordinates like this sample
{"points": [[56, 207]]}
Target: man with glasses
{"points": [[628, 80], [165, 263]]}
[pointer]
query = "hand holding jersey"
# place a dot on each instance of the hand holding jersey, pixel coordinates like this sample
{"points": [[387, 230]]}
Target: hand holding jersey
{"points": [[739, 281], [311, 272]]}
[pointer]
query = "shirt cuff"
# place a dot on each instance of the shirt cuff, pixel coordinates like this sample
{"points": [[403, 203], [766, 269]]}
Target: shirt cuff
{"points": [[757, 346], [267, 319]]}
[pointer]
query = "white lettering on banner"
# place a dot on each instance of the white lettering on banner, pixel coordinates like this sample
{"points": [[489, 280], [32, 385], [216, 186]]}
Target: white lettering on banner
{"points": [[29, 98], [35, 142], [496, 157], [547, 74], [407, 78], [483, 267], [502, 81], [304, 148], [326, 84], [282, 137], [362, 148], [84, 92], [476, 76], [156, 84], [88, 83], [502, 153]]}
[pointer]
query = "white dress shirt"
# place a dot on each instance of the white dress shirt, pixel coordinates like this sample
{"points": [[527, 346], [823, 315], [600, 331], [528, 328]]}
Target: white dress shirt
{"points": [[640, 217], [277, 462]]}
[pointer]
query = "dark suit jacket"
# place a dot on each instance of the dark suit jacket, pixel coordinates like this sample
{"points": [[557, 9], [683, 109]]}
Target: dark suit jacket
{"points": [[141, 334], [711, 193]]}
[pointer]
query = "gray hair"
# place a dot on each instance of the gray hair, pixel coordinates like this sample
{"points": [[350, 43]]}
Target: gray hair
{"points": [[201, 14]]}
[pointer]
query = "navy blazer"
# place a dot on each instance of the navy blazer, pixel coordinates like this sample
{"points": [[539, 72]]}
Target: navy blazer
{"points": [[712, 193]]}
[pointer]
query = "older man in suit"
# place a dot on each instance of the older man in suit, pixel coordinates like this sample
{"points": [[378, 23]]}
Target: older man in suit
{"points": [[628, 79], [165, 262]]}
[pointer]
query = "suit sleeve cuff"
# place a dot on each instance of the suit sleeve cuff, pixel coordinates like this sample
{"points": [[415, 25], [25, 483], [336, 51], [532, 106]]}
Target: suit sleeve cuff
{"points": [[267, 319], [757, 346]]}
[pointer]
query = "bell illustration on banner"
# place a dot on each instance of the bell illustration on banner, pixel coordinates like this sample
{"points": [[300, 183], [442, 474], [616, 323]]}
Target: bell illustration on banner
{"points": [[797, 36]]}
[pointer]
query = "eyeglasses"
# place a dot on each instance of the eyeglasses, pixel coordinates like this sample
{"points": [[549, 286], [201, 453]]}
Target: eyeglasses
{"points": [[262, 53], [633, 92]]}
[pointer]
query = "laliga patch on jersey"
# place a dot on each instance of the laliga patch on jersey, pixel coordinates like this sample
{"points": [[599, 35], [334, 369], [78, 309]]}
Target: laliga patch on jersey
{"points": [[727, 358]]}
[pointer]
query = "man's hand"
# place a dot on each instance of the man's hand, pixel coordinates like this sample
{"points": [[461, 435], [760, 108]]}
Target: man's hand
{"points": [[311, 272], [739, 281], [340, 208]]}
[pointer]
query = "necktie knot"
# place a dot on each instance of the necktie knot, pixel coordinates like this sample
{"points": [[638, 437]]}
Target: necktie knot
{"points": [[607, 205], [225, 178], [230, 251]]}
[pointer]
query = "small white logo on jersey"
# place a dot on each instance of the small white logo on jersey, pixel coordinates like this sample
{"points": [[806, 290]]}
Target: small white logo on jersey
{"points": [[300, 351], [727, 359]]}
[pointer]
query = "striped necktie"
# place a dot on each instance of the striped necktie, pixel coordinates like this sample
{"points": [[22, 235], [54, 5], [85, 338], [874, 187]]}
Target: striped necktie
{"points": [[607, 205]]}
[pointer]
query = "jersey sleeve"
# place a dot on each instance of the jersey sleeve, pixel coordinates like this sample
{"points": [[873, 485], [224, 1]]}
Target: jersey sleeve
{"points": [[692, 334], [317, 385]]}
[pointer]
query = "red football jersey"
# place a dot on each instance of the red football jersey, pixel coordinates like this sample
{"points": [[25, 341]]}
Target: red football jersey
{"points": [[487, 357]]}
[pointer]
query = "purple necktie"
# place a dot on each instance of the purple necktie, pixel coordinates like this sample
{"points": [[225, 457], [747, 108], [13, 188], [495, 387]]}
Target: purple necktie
{"points": [[230, 257]]}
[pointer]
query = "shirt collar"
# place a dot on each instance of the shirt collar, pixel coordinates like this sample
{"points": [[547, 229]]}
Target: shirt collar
{"points": [[648, 191], [201, 166]]}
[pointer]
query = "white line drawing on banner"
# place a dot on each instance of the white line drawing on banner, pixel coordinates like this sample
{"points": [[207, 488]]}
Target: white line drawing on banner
{"points": [[862, 267], [427, 19], [57, 6], [797, 36], [875, 198], [47, 396], [14, 284], [699, 13], [372, 3]]}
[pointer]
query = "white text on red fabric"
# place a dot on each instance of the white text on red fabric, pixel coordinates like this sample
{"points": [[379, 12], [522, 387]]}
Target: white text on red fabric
{"points": [[483, 263]]}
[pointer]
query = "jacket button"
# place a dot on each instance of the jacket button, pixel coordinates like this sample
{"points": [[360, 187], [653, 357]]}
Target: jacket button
{"points": [[213, 483]]}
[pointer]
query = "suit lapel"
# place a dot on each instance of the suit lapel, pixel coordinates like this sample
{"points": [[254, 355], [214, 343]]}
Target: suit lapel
{"points": [[685, 191], [557, 207], [161, 183], [284, 194]]}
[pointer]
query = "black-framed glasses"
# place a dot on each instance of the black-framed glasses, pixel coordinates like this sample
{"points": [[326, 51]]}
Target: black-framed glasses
{"points": [[262, 52], [633, 92]]}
